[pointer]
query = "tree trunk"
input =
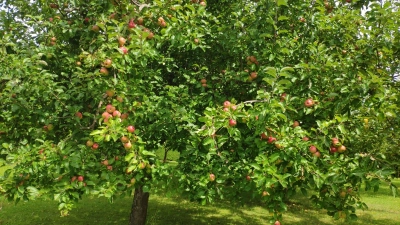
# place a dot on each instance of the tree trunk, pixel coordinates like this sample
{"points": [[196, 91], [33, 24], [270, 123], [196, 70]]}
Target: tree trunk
{"points": [[139, 207]]}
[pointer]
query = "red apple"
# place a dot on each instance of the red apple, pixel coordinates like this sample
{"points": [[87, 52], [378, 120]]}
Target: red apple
{"points": [[124, 139], [264, 136], [296, 124], [104, 71], [212, 177], [271, 140], [265, 193], [131, 24], [306, 139], [232, 122], [142, 165], [128, 145], [131, 129], [106, 115], [110, 109], [313, 149], [121, 41], [317, 154], [95, 28], [110, 93], [227, 104], [277, 222], [53, 39], [120, 99], [109, 167], [203, 81], [140, 21], [116, 113], [248, 178], [80, 178], [73, 178], [95, 146], [79, 115], [309, 103], [124, 116], [283, 97], [107, 63], [105, 162], [253, 75], [124, 50]]}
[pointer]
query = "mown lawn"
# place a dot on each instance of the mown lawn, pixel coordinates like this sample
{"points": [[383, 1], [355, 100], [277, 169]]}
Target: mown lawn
{"points": [[384, 209]]}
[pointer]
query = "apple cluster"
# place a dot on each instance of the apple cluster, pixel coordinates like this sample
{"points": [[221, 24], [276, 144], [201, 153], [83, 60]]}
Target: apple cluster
{"points": [[229, 106], [336, 146]]}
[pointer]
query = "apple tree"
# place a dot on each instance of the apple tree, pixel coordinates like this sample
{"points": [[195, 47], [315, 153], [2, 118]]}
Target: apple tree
{"points": [[267, 98]]}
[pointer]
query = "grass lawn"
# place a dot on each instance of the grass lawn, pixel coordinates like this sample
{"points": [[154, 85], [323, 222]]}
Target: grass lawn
{"points": [[173, 209]]}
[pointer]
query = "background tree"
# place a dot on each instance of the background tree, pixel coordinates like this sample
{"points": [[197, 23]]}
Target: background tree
{"points": [[260, 97]]}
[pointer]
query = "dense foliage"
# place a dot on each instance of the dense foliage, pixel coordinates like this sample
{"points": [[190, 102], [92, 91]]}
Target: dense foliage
{"points": [[261, 97]]}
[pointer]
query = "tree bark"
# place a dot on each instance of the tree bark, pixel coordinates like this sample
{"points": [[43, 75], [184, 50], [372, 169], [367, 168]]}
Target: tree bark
{"points": [[139, 207]]}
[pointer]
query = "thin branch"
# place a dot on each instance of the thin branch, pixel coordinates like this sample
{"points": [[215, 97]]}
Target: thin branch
{"points": [[94, 118]]}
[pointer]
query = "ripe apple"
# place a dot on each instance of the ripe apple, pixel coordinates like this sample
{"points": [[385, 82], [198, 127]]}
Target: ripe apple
{"points": [[278, 146], [131, 129], [110, 108], [110, 93], [105, 162], [53, 39], [335, 140], [264, 136], [41, 151], [89, 143], [150, 36], [227, 104], [131, 24], [73, 178], [342, 194], [212, 177], [51, 19], [302, 19], [203, 81], [116, 113], [104, 71], [95, 146], [80, 178], [128, 145], [226, 109], [109, 167], [309, 103], [296, 124], [107, 63], [121, 41], [133, 181], [313, 149], [142, 165], [203, 4], [271, 140], [106, 115], [253, 75], [248, 178], [124, 139], [333, 149], [124, 116], [306, 139], [232, 122], [79, 115], [124, 50], [265, 193], [317, 154], [95, 28], [277, 222], [341, 149], [233, 107], [204, 85], [140, 21], [53, 6], [283, 97], [196, 41], [120, 99], [78, 63]]}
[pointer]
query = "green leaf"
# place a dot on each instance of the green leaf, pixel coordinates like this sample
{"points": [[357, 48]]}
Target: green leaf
{"points": [[282, 2]]}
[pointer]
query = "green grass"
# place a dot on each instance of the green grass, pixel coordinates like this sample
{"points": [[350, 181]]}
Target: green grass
{"points": [[173, 209]]}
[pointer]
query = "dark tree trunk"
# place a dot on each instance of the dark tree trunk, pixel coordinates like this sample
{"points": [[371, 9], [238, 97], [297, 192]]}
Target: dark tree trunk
{"points": [[139, 207]]}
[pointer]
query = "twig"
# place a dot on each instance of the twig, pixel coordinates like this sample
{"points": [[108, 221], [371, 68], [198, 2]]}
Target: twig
{"points": [[94, 119]]}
